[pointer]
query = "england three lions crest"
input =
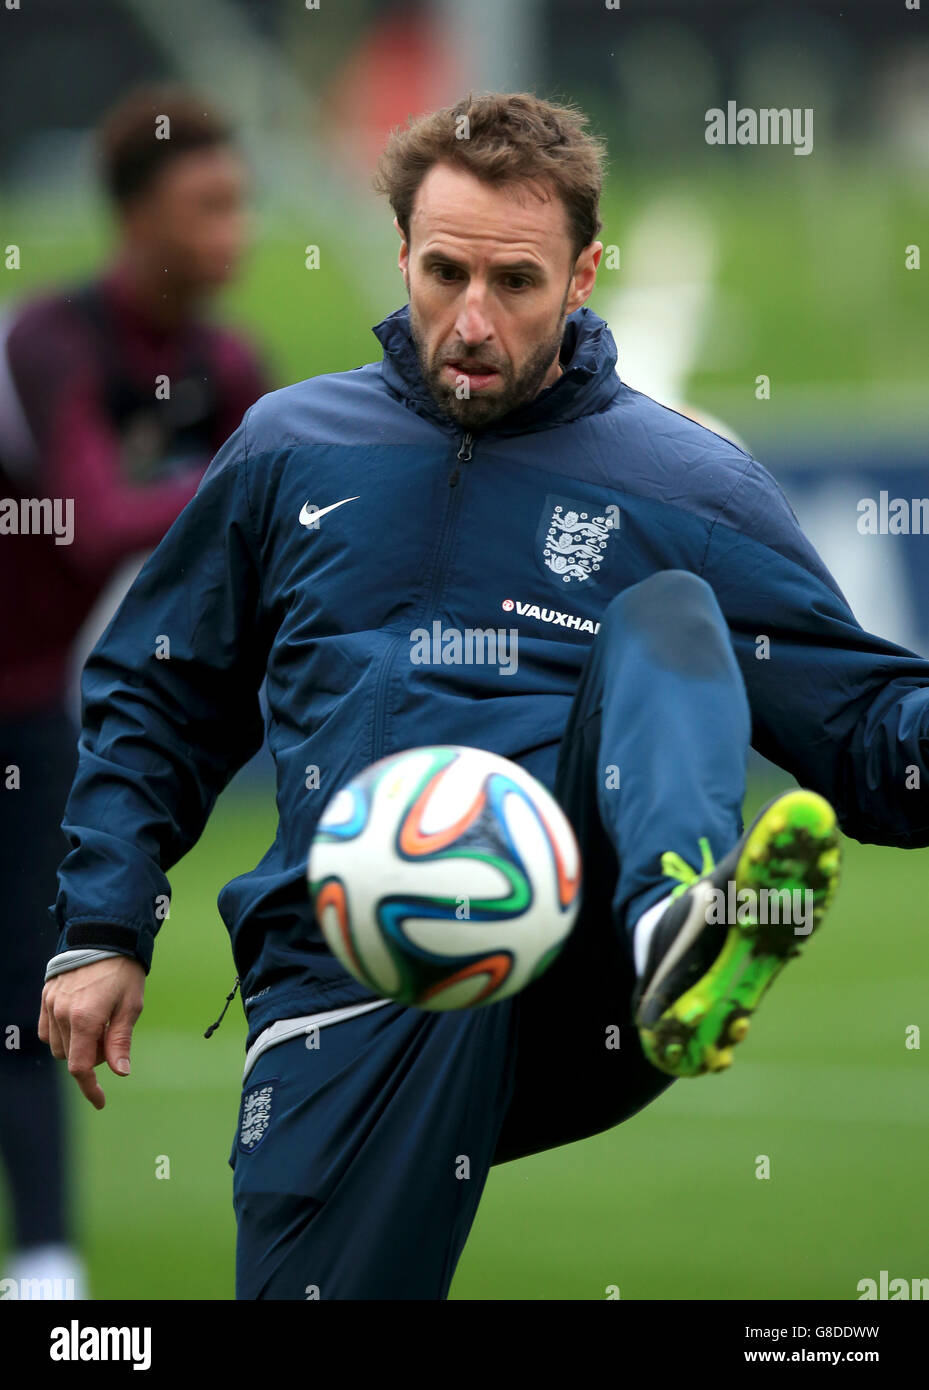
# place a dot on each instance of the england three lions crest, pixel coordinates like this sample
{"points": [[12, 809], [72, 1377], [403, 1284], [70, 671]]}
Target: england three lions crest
{"points": [[255, 1115], [577, 539]]}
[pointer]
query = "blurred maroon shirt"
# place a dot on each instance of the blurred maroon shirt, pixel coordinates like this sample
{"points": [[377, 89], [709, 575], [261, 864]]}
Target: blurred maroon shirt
{"points": [[80, 421]]}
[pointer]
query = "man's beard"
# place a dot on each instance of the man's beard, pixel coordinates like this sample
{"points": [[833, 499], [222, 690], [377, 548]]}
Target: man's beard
{"points": [[483, 407]]}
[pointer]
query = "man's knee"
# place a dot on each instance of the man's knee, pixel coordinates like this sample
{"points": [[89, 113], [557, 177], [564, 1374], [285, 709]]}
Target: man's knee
{"points": [[676, 617]]}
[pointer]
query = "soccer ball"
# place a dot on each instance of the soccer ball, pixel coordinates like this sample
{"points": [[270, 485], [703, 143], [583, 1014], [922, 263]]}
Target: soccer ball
{"points": [[444, 877]]}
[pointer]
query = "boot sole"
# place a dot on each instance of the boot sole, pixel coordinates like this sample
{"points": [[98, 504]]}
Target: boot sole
{"points": [[792, 848]]}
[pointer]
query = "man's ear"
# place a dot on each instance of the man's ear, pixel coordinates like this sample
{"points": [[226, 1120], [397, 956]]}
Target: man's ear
{"points": [[584, 276], [403, 260]]}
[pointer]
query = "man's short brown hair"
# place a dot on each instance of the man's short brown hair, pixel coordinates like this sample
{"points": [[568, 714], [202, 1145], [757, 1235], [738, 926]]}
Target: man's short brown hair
{"points": [[501, 138], [131, 153]]}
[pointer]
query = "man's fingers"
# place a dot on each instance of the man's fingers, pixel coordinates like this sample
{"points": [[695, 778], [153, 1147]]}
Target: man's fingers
{"points": [[90, 1087], [85, 1052], [61, 1022], [48, 1029], [54, 1039], [118, 1038], [87, 1078], [43, 1018]]}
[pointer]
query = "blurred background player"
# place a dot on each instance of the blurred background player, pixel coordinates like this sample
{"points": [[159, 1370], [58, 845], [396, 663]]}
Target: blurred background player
{"points": [[114, 395]]}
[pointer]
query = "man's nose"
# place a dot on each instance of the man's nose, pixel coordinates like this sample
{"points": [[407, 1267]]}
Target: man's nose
{"points": [[473, 324]]}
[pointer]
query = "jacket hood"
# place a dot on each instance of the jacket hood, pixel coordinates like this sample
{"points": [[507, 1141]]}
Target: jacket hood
{"points": [[587, 385]]}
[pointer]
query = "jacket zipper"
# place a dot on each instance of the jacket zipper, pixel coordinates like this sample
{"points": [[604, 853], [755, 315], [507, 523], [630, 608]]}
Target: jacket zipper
{"points": [[463, 456]]}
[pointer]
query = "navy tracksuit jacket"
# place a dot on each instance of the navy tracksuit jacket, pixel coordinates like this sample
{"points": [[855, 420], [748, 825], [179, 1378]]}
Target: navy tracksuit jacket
{"points": [[505, 530]]}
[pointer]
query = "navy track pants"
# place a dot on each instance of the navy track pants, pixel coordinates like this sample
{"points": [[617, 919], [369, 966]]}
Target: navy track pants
{"points": [[377, 1142]]}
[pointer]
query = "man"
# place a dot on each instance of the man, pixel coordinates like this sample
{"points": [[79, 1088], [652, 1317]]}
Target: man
{"points": [[437, 484], [114, 395]]}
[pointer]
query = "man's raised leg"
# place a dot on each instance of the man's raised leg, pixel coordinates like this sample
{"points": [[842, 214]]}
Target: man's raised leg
{"points": [[651, 773]]}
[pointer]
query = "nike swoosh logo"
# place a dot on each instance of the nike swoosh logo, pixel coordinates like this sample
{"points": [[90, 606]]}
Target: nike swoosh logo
{"points": [[310, 515]]}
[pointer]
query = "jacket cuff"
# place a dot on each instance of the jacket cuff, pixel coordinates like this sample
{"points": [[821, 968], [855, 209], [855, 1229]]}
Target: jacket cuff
{"points": [[120, 938], [73, 960]]}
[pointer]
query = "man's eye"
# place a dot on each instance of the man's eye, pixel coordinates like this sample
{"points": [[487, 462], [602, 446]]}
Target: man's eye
{"points": [[446, 273], [517, 282]]}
